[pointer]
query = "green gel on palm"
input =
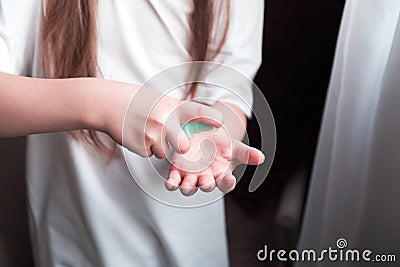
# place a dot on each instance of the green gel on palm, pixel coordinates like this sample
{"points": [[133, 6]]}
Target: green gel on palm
{"points": [[191, 128]]}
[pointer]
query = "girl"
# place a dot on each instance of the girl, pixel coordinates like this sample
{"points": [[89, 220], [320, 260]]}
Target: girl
{"points": [[84, 208]]}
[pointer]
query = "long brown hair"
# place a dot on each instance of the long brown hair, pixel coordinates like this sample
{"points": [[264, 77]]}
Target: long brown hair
{"points": [[69, 44]]}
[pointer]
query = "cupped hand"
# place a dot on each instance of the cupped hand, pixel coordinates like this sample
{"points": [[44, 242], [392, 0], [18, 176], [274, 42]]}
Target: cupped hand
{"points": [[153, 121], [209, 163]]}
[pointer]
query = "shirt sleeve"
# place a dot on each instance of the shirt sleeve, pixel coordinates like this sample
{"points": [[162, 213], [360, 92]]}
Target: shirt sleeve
{"points": [[19, 31], [6, 53], [242, 54]]}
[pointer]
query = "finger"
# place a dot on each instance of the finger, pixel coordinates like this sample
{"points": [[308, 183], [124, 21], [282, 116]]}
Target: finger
{"points": [[206, 182], [190, 111], [161, 151], [226, 183], [145, 153], [177, 138], [247, 155], [189, 185], [174, 180], [141, 151]]}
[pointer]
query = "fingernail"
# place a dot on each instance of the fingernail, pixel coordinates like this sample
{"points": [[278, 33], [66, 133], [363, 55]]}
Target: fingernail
{"points": [[262, 159]]}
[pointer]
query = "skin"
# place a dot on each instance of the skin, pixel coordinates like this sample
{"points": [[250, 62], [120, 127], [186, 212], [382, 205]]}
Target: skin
{"points": [[32, 106], [213, 156], [209, 163]]}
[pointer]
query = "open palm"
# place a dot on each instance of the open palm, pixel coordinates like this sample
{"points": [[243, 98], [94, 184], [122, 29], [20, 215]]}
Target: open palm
{"points": [[212, 157]]}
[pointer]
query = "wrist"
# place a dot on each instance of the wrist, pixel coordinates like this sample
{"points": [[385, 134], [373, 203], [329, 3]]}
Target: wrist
{"points": [[86, 91], [107, 102]]}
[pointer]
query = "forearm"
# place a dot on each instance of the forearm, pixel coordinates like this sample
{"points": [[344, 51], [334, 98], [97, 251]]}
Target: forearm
{"points": [[30, 105], [234, 119]]}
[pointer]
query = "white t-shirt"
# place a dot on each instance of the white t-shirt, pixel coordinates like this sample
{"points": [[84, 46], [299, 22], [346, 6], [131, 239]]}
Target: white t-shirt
{"points": [[85, 212], [354, 191]]}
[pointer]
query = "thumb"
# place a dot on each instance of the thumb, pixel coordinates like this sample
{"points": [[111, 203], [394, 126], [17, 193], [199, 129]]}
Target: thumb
{"points": [[177, 138], [246, 154]]}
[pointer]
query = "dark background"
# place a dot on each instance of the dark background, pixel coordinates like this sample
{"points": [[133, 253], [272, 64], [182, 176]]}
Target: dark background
{"points": [[299, 43]]}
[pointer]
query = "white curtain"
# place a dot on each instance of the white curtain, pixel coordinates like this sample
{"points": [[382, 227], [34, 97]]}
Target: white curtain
{"points": [[355, 186]]}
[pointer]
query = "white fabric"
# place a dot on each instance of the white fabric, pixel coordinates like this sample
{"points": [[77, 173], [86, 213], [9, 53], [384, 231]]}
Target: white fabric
{"points": [[85, 212], [354, 190]]}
